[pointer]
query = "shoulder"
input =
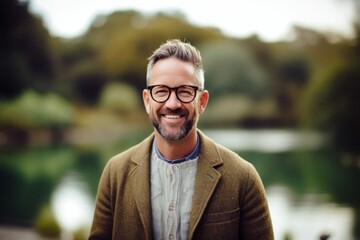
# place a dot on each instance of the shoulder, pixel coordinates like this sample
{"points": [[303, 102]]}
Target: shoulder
{"points": [[132, 156], [219, 154], [233, 162], [225, 160]]}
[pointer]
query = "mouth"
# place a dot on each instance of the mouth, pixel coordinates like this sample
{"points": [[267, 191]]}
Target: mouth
{"points": [[172, 116]]}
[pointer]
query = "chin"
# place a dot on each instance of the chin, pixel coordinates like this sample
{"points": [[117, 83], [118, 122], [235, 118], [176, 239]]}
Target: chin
{"points": [[174, 137]]}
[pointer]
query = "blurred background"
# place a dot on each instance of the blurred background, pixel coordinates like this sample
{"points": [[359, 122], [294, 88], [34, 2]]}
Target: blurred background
{"points": [[284, 94]]}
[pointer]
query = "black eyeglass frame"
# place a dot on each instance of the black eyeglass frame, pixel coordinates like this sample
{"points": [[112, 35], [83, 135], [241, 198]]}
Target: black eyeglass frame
{"points": [[196, 88]]}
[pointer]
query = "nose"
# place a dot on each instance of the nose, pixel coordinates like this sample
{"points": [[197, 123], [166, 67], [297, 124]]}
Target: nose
{"points": [[173, 102]]}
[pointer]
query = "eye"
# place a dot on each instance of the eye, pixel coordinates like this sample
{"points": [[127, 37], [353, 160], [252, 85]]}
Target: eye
{"points": [[160, 91], [186, 91]]}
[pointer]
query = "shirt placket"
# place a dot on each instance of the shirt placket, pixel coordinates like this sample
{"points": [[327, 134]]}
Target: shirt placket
{"points": [[172, 218]]}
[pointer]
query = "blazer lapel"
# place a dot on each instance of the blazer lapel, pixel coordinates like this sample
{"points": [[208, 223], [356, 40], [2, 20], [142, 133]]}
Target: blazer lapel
{"points": [[140, 177], [207, 177]]}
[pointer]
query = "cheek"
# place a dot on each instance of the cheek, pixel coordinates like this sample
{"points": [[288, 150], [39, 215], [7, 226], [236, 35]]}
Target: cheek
{"points": [[149, 107], [152, 109]]}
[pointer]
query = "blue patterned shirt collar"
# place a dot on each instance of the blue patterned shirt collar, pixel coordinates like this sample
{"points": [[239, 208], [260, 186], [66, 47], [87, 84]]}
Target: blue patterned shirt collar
{"points": [[193, 155]]}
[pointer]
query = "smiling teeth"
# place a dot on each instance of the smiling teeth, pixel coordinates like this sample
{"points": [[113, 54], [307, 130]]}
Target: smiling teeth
{"points": [[172, 116]]}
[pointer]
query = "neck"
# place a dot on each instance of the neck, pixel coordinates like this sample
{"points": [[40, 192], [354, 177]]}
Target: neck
{"points": [[172, 150]]}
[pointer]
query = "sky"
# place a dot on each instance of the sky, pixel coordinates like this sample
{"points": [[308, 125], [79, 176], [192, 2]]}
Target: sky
{"points": [[271, 20]]}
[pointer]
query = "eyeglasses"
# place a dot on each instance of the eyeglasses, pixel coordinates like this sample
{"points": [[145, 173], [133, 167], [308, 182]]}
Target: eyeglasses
{"points": [[185, 93]]}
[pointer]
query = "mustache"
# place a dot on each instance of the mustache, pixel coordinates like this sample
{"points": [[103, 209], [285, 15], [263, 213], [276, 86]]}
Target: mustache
{"points": [[178, 111]]}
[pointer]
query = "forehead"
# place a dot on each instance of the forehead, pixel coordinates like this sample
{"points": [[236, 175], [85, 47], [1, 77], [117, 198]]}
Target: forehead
{"points": [[173, 72]]}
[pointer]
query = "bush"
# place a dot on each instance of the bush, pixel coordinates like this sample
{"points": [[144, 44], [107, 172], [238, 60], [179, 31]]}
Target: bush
{"points": [[46, 224], [32, 110], [120, 97]]}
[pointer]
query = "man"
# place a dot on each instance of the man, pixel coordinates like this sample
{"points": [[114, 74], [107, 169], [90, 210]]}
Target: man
{"points": [[177, 183]]}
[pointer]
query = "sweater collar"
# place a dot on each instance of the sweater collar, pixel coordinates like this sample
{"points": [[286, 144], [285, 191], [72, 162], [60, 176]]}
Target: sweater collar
{"points": [[193, 155]]}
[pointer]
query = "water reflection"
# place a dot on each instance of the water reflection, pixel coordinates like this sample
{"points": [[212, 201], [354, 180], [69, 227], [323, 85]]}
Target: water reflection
{"points": [[310, 217], [269, 140], [72, 203]]}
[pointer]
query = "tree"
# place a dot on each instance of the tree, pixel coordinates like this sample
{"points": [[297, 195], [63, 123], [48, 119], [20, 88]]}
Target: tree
{"points": [[332, 101], [230, 68], [332, 106], [124, 51], [26, 54]]}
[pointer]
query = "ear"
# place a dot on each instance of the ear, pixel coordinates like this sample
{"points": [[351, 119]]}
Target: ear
{"points": [[146, 100], [203, 101]]}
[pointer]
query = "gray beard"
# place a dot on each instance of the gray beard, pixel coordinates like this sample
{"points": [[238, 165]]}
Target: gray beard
{"points": [[185, 129]]}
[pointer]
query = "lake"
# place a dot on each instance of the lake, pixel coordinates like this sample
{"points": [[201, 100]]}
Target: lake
{"points": [[312, 190]]}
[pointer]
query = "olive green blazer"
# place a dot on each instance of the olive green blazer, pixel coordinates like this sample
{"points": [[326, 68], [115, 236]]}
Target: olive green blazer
{"points": [[229, 200]]}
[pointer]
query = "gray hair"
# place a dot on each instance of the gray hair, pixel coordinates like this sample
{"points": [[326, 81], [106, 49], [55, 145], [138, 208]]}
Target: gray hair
{"points": [[182, 51]]}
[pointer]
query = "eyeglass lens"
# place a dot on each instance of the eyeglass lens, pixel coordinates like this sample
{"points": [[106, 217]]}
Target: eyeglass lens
{"points": [[184, 93]]}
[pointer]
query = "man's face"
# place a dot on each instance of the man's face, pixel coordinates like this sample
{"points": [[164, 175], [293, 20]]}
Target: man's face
{"points": [[173, 119]]}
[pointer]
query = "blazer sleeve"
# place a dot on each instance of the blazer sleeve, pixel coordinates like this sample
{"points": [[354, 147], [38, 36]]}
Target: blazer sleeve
{"points": [[255, 222], [103, 216]]}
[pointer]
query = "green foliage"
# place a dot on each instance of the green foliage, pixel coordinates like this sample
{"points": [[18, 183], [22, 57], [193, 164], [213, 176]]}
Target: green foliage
{"points": [[88, 84], [14, 74], [294, 69], [292, 76], [230, 68], [235, 110], [120, 97], [81, 234], [81, 78], [32, 110], [332, 105], [228, 110], [126, 39], [116, 47], [27, 57], [46, 224]]}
